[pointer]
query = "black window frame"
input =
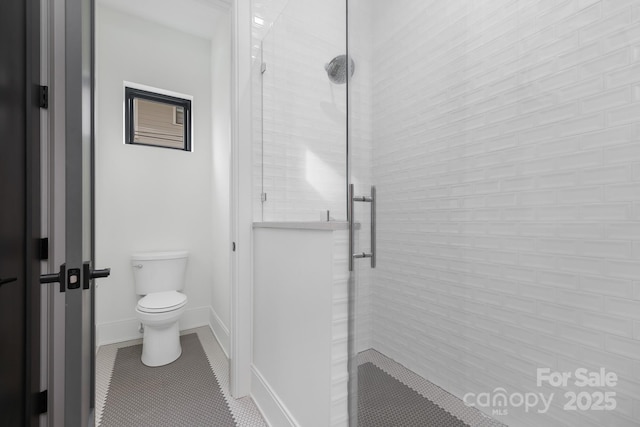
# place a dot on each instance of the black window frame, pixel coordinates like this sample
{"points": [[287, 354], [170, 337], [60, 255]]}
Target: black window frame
{"points": [[131, 93]]}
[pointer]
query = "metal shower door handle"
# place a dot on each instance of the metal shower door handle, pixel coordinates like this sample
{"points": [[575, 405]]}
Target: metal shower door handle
{"points": [[366, 199]]}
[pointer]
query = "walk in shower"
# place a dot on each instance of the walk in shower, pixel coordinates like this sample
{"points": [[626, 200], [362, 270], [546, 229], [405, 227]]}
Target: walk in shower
{"points": [[498, 143]]}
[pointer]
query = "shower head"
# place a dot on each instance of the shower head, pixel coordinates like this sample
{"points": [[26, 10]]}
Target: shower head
{"points": [[337, 69]]}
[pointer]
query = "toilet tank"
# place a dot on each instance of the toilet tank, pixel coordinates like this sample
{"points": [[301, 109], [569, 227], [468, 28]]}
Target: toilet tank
{"points": [[159, 271]]}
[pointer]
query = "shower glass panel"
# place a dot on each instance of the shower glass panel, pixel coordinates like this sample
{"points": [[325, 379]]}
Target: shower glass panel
{"points": [[502, 137], [303, 111]]}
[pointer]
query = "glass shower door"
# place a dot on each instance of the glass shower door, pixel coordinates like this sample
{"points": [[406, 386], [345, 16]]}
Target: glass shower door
{"points": [[502, 138], [303, 114]]}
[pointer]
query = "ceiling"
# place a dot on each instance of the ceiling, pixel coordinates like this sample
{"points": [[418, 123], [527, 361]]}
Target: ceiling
{"points": [[196, 17]]}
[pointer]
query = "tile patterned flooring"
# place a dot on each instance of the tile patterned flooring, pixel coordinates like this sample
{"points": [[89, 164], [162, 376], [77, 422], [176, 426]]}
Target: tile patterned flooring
{"points": [[440, 397], [244, 410]]}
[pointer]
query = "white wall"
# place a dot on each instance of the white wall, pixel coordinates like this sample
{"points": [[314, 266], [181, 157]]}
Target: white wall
{"points": [[300, 326], [220, 179], [195, 17], [150, 198], [508, 168]]}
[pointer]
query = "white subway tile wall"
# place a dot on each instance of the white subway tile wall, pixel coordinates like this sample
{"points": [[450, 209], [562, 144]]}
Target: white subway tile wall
{"points": [[506, 153], [303, 115], [265, 13]]}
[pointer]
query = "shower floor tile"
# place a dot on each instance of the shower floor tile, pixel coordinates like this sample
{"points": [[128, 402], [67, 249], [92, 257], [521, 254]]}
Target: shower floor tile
{"points": [[244, 410], [449, 403]]}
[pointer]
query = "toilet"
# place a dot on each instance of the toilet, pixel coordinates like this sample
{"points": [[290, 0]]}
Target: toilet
{"points": [[159, 276]]}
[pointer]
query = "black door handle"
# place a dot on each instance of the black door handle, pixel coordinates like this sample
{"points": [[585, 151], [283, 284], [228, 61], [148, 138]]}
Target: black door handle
{"points": [[9, 280], [56, 277], [89, 273], [50, 278], [74, 274], [98, 274]]}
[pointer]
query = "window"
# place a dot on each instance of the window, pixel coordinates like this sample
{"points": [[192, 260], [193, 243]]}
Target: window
{"points": [[157, 120], [178, 115]]}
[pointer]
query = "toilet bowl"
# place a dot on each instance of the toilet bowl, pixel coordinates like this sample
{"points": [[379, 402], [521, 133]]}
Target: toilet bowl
{"points": [[159, 313], [158, 278]]}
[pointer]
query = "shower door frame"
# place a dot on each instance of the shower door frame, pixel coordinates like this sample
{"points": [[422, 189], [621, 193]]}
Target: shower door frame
{"points": [[352, 350]]}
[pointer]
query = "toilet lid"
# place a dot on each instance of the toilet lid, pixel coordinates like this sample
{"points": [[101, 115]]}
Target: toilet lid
{"points": [[162, 301]]}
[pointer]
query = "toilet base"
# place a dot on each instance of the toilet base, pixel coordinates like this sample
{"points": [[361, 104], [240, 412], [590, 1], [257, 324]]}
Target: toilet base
{"points": [[161, 345], [161, 339]]}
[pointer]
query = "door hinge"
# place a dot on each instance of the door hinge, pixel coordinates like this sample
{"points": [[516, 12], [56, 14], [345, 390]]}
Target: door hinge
{"points": [[40, 404], [233, 246], [263, 67], [263, 197], [43, 249], [44, 97]]}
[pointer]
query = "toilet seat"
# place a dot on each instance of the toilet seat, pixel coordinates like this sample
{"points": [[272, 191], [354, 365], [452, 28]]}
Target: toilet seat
{"points": [[161, 302]]}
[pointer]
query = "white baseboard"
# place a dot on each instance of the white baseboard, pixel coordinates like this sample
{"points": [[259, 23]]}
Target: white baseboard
{"points": [[113, 332], [126, 330], [272, 408], [220, 331]]}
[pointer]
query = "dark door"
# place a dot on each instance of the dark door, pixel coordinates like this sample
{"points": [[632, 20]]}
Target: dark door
{"points": [[19, 211]]}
